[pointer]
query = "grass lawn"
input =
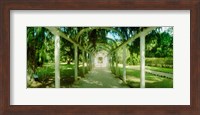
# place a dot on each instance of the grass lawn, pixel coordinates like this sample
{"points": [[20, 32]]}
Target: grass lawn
{"points": [[46, 74], [160, 69], [152, 81]]}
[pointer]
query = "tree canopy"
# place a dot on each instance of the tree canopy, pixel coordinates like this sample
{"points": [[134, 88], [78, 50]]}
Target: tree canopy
{"points": [[40, 48]]}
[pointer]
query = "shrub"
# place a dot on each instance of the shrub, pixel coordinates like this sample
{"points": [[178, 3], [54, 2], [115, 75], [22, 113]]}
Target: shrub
{"points": [[133, 60], [159, 62]]}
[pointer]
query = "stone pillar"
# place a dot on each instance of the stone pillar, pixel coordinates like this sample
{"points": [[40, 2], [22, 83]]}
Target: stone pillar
{"points": [[57, 61], [116, 70], [83, 54], [75, 61], [142, 60], [124, 64]]}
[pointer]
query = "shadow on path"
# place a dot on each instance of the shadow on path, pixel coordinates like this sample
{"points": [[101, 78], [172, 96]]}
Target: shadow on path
{"points": [[100, 77]]}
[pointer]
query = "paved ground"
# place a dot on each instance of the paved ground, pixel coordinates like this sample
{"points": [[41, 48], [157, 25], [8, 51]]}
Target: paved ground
{"points": [[100, 77]]}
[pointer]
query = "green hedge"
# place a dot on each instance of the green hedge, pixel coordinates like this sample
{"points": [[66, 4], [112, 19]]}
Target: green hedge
{"points": [[159, 62], [133, 60]]}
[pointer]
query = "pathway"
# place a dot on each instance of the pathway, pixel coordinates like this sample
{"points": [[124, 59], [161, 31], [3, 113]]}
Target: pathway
{"points": [[100, 77], [162, 74]]}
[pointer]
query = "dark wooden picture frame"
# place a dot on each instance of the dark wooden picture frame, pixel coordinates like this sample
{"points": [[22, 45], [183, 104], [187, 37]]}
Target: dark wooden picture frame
{"points": [[192, 5]]}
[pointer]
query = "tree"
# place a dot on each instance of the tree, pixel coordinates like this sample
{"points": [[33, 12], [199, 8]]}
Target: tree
{"points": [[38, 47]]}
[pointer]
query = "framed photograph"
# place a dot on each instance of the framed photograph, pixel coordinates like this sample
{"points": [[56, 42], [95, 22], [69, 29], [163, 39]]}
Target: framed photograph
{"points": [[99, 57]]}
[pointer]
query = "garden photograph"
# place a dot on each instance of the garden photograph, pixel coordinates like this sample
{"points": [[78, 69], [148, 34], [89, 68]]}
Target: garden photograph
{"points": [[99, 57]]}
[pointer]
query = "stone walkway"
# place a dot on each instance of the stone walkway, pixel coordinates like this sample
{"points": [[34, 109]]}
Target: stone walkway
{"points": [[100, 77]]}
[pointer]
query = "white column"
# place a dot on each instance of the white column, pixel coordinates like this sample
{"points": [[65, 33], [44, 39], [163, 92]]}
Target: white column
{"points": [[124, 64], [92, 61], [75, 61], [57, 61], [108, 62], [116, 70], [113, 65], [142, 61], [87, 61], [83, 53]]}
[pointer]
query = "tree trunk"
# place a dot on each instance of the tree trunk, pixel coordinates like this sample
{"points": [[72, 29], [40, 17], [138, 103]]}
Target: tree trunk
{"points": [[68, 62], [57, 61]]}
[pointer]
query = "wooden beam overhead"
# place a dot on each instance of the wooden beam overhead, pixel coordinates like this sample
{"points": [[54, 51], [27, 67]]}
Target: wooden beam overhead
{"points": [[55, 31], [145, 31]]}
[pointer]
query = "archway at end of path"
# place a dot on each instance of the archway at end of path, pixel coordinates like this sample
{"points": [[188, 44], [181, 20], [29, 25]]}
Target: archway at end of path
{"points": [[101, 59]]}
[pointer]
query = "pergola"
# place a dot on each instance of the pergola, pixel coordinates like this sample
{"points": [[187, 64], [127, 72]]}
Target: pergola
{"points": [[111, 51]]}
